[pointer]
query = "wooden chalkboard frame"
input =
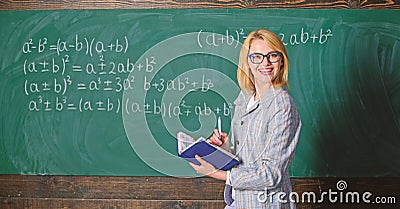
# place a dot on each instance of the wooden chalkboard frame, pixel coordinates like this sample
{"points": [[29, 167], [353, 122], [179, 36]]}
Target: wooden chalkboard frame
{"points": [[19, 191], [161, 4]]}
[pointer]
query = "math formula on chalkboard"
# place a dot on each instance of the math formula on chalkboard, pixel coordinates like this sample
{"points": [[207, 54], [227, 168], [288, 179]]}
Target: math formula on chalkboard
{"points": [[56, 81]]}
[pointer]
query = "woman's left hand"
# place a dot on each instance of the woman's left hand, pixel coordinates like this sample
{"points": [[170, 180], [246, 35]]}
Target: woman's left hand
{"points": [[204, 168], [207, 169]]}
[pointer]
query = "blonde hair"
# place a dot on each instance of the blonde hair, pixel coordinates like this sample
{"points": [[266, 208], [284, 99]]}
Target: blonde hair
{"points": [[244, 74]]}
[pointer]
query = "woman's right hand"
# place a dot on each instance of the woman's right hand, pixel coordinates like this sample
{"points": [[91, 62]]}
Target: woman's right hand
{"points": [[218, 139]]}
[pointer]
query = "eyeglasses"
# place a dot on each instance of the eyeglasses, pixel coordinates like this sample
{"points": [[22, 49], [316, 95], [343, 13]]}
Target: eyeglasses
{"points": [[272, 57]]}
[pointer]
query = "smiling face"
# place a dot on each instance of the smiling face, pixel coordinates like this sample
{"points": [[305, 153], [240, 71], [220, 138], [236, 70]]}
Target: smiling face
{"points": [[258, 76], [265, 72]]}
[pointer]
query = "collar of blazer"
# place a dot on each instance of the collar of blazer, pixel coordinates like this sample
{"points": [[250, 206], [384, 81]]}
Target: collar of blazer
{"points": [[265, 100]]}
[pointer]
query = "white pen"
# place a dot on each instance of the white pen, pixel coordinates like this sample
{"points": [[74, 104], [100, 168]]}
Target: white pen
{"points": [[219, 127]]}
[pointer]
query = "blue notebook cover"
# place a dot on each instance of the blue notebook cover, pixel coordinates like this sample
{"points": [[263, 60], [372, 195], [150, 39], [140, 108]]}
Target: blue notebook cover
{"points": [[215, 155]]}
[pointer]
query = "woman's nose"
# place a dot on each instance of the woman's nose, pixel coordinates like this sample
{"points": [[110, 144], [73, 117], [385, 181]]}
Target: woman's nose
{"points": [[266, 61]]}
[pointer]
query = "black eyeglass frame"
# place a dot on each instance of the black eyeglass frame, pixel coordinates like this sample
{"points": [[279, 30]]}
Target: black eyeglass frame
{"points": [[266, 56]]}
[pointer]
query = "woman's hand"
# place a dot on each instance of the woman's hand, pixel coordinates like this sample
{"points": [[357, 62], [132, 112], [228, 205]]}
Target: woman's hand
{"points": [[207, 169], [218, 139]]}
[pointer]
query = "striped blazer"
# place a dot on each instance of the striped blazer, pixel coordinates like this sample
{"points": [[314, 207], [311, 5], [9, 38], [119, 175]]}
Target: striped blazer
{"points": [[264, 137]]}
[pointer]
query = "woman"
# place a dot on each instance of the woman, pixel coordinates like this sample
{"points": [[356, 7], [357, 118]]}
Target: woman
{"points": [[265, 128]]}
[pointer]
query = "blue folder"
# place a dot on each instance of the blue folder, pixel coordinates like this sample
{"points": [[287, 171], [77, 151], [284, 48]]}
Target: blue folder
{"points": [[218, 157]]}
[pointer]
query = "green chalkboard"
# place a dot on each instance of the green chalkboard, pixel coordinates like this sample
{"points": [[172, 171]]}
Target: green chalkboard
{"points": [[104, 92]]}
